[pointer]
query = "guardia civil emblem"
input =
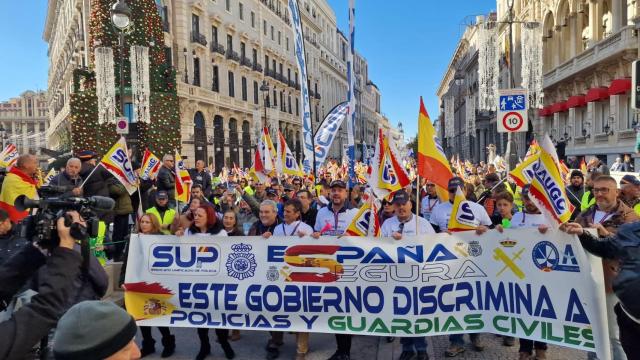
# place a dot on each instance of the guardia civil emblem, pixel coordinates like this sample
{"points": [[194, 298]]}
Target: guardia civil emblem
{"points": [[241, 263], [272, 273], [475, 249]]}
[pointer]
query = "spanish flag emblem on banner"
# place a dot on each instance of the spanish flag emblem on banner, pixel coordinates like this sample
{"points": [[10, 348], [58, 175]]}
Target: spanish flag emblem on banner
{"points": [[547, 186], [183, 180], [147, 301], [462, 217]]}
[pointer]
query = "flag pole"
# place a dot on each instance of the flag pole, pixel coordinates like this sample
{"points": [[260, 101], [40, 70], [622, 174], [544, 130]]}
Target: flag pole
{"points": [[91, 173], [417, 203]]}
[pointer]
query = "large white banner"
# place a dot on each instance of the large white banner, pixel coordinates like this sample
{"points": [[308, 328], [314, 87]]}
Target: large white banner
{"points": [[520, 283]]}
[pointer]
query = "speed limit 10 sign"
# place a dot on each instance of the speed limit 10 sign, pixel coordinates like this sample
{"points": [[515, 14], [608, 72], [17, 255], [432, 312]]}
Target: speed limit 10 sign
{"points": [[512, 111]]}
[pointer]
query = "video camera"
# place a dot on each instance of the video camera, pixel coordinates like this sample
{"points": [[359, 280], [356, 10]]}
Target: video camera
{"points": [[42, 227]]}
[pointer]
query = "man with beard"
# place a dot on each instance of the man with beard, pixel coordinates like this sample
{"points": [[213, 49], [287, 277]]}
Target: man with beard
{"points": [[333, 220], [309, 213], [606, 216], [575, 190]]}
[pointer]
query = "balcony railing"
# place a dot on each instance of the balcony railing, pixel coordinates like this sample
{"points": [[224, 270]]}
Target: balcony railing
{"points": [[217, 48], [232, 55], [198, 38], [244, 61], [257, 67]]}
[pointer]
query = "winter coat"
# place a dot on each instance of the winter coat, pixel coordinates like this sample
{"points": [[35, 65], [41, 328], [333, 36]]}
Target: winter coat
{"points": [[166, 181], [119, 193]]}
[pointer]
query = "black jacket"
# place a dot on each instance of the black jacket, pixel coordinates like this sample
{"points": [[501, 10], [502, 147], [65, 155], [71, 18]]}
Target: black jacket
{"points": [[63, 180], [203, 178], [33, 321], [166, 181], [10, 243], [96, 184], [624, 246], [309, 217]]}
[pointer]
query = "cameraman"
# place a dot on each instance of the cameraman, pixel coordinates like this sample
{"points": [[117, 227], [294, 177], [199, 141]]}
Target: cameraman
{"points": [[10, 243], [33, 321]]}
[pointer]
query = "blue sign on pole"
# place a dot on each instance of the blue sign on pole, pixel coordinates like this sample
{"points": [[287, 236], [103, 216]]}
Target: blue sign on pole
{"points": [[512, 102]]}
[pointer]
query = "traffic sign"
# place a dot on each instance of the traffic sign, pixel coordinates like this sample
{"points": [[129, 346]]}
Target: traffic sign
{"points": [[122, 126], [512, 111]]}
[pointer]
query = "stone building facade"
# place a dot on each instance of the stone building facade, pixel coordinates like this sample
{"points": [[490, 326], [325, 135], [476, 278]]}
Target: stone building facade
{"points": [[24, 120]]}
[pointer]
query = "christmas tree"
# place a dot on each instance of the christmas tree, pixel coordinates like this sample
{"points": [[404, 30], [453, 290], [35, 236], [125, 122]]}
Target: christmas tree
{"points": [[162, 134]]}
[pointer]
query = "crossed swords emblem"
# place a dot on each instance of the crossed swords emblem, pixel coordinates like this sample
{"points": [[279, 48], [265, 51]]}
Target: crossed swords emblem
{"points": [[509, 262]]}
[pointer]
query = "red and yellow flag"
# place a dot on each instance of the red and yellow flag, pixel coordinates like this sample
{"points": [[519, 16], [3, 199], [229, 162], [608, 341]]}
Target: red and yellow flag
{"points": [[183, 180], [147, 301], [432, 162], [16, 183], [388, 175], [583, 167], [366, 222]]}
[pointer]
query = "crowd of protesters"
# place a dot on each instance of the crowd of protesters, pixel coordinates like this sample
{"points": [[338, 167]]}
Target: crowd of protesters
{"points": [[234, 204]]}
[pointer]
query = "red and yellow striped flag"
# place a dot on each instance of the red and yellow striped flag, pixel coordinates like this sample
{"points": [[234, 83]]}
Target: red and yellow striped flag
{"points": [[432, 162]]}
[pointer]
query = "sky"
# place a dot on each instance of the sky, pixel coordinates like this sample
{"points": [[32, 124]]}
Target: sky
{"points": [[407, 47]]}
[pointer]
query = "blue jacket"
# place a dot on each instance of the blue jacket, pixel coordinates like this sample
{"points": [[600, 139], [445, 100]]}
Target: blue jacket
{"points": [[624, 246]]}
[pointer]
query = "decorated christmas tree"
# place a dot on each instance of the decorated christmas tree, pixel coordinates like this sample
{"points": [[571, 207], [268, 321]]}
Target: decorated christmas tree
{"points": [[161, 135]]}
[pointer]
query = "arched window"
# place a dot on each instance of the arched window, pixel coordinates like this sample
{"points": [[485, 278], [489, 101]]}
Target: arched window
{"points": [[218, 142], [199, 137], [246, 144], [234, 150]]}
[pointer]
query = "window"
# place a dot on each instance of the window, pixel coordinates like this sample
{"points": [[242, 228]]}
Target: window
{"points": [[232, 90], [282, 101], [297, 107], [196, 71], [279, 38], [253, 19], [255, 57], [280, 69], [243, 50], [264, 24], [227, 5], [273, 62], [255, 92], [626, 113], [214, 35], [266, 63], [244, 88], [272, 33], [195, 24], [215, 81], [229, 43], [287, 43], [289, 74], [602, 116], [275, 98], [289, 103], [167, 56], [241, 11]]}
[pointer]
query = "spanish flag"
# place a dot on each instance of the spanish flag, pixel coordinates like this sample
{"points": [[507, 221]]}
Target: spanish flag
{"points": [[147, 301], [583, 167], [462, 217], [16, 183], [432, 162], [257, 171], [183, 180], [388, 175]]}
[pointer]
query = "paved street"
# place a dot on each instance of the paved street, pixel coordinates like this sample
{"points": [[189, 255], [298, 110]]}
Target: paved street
{"points": [[322, 346]]}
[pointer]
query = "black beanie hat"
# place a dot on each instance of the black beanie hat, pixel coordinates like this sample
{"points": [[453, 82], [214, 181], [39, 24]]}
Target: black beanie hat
{"points": [[93, 330]]}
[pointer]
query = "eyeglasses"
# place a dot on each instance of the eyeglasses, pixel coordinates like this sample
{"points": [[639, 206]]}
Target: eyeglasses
{"points": [[603, 191]]}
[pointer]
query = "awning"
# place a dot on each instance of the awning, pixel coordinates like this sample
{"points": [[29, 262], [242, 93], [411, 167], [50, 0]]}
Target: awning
{"points": [[619, 86], [559, 107], [576, 101], [597, 94], [545, 111]]}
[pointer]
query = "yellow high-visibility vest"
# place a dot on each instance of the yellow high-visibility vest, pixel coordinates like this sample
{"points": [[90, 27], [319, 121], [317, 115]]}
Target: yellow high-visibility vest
{"points": [[167, 219], [585, 203]]}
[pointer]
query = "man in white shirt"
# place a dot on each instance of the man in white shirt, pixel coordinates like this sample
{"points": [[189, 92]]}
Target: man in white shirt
{"points": [[530, 216], [440, 221], [404, 222], [292, 225], [442, 212], [429, 202], [333, 220]]}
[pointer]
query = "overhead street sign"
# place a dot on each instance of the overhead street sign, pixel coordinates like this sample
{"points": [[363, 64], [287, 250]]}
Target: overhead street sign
{"points": [[512, 111]]}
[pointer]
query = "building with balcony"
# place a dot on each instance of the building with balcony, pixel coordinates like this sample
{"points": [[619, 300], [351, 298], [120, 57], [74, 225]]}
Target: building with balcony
{"points": [[223, 51], [588, 50], [23, 122], [66, 32]]}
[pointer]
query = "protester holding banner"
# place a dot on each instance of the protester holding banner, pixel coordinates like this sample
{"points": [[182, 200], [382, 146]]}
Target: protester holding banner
{"points": [[292, 225], [405, 222], [308, 213], [606, 216], [149, 225], [442, 213], [429, 201], [623, 247]]}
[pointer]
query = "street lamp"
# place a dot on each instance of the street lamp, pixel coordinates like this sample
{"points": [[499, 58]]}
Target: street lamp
{"points": [[121, 20], [265, 92]]}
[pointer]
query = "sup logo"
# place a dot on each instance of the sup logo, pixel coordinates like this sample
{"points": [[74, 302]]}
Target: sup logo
{"points": [[388, 175], [192, 259], [547, 258]]}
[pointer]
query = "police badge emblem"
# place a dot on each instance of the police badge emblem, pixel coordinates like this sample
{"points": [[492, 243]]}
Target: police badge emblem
{"points": [[475, 249], [241, 264], [272, 273]]}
